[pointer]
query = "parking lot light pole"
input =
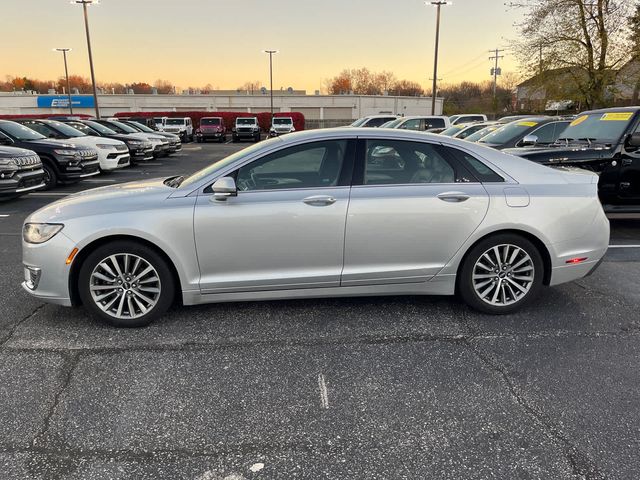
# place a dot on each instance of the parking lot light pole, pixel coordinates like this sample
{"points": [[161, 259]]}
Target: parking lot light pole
{"points": [[84, 4], [271, 53], [66, 74], [437, 4]]}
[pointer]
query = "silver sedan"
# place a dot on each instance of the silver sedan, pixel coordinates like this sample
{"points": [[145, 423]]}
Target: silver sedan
{"points": [[338, 212]]}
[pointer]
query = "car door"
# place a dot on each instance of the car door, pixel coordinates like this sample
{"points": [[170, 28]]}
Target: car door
{"points": [[629, 185], [285, 228], [412, 207]]}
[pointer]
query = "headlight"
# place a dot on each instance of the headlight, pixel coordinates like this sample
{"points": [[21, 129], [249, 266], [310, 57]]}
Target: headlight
{"points": [[134, 143], [8, 167], [69, 153], [106, 146], [40, 232]]}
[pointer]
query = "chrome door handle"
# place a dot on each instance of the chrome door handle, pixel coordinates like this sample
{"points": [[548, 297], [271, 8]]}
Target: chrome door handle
{"points": [[453, 197], [319, 200]]}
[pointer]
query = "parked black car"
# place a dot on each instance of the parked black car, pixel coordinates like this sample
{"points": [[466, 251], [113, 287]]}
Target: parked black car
{"points": [[140, 149], [20, 172], [160, 143], [606, 141], [175, 144], [62, 161], [526, 132]]}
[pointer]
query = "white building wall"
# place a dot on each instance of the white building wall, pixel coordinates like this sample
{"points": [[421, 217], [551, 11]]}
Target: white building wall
{"points": [[312, 106]]}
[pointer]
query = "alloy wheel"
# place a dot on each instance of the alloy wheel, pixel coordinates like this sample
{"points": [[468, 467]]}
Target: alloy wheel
{"points": [[503, 275], [125, 286]]}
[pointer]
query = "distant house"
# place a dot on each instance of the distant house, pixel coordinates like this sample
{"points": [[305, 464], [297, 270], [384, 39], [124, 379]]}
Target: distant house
{"points": [[627, 87]]}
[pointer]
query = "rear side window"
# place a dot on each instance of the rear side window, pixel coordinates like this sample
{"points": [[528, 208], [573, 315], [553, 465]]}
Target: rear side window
{"points": [[479, 169], [434, 123]]}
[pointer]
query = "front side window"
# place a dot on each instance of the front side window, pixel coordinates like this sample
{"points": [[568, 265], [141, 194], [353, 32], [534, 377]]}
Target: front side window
{"points": [[389, 162], [550, 132], [312, 165]]}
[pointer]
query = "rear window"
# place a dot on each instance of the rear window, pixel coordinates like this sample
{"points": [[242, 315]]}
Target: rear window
{"points": [[479, 169]]}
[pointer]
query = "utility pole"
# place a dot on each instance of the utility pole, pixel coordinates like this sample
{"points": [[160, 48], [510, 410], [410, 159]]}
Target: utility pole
{"points": [[495, 71], [271, 52], [84, 4], [66, 74], [434, 90]]}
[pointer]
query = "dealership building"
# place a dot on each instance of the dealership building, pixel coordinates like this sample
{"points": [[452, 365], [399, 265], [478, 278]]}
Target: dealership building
{"points": [[319, 110]]}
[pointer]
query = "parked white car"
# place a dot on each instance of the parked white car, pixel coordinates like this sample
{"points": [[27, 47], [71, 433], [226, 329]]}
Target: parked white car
{"points": [[183, 127], [419, 123], [112, 154], [281, 126], [467, 118]]}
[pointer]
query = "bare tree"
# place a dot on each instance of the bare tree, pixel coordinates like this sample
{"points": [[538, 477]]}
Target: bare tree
{"points": [[588, 38]]}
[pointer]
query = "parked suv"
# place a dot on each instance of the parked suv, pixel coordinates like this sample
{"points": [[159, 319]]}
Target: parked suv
{"points": [[113, 154], [281, 126], [183, 127], [20, 171], [246, 127], [211, 128], [140, 149], [175, 144], [62, 160], [160, 144], [604, 141]]}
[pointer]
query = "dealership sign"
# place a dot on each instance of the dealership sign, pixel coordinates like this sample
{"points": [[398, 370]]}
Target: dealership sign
{"points": [[62, 101]]}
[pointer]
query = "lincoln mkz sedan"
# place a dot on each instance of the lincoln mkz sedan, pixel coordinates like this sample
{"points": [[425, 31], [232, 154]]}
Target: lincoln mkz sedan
{"points": [[337, 212]]}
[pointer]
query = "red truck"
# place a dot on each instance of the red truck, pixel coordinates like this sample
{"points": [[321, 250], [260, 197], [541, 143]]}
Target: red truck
{"points": [[211, 128]]}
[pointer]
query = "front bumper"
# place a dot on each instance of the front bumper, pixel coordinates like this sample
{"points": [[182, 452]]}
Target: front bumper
{"points": [[175, 147], [160, 149], [47, 262], [114, 160], [22, 181], [141, 154], [210, 135], [86, 168]]}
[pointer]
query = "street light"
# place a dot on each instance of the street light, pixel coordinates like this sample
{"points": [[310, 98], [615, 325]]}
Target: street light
{"points": [[437, 4], [84, 4], [66, 74], [271, 53]]}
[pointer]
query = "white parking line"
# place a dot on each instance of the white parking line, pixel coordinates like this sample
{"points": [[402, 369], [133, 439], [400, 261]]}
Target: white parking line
{"points": [[153, 164], [50, 194], [105, 180], [324, 395], [624, 246], [127, 171], [4, 216]]}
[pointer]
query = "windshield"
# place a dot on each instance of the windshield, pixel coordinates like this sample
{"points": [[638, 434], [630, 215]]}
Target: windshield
{"points": [[468, 131], [393, 123], [509, 132], [20, 132], [210, 121], [246, 121], [474, 137], [598, 127], [101, 129], [282, 121], [214, 167], [449, 132], [67, 130], [174, 121], [359, 122], [123, 126], [142, 127]]}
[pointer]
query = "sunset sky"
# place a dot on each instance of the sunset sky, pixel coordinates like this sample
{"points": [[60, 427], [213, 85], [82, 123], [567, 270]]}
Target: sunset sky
{"points": [[195, 42]]}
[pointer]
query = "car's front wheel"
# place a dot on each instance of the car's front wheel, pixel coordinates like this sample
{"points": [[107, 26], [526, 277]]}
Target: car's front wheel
{"points": [[501, 274], [50, 177], [126, 284]]}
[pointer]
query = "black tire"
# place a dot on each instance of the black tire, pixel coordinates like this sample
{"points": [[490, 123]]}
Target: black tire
{"points": [[166, 284], [185, 137], [235, 139], [465, 278], [50, 176]]}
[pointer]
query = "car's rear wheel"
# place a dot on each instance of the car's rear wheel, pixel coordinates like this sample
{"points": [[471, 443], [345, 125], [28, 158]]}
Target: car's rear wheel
{"points": [[501, 274], [126, 284]]}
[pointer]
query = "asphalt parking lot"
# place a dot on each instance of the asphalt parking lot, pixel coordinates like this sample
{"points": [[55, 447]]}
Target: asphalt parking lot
{"points": [[395, 387]]}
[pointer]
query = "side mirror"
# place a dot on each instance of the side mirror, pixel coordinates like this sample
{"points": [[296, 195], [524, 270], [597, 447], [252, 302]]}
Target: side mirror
{"points": [[633, 140], [224, 188], [529, 141]]}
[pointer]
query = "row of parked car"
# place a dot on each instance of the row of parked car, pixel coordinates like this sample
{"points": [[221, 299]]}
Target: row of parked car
{"points": [[605, 141], [214, 128], [41, 153]]}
